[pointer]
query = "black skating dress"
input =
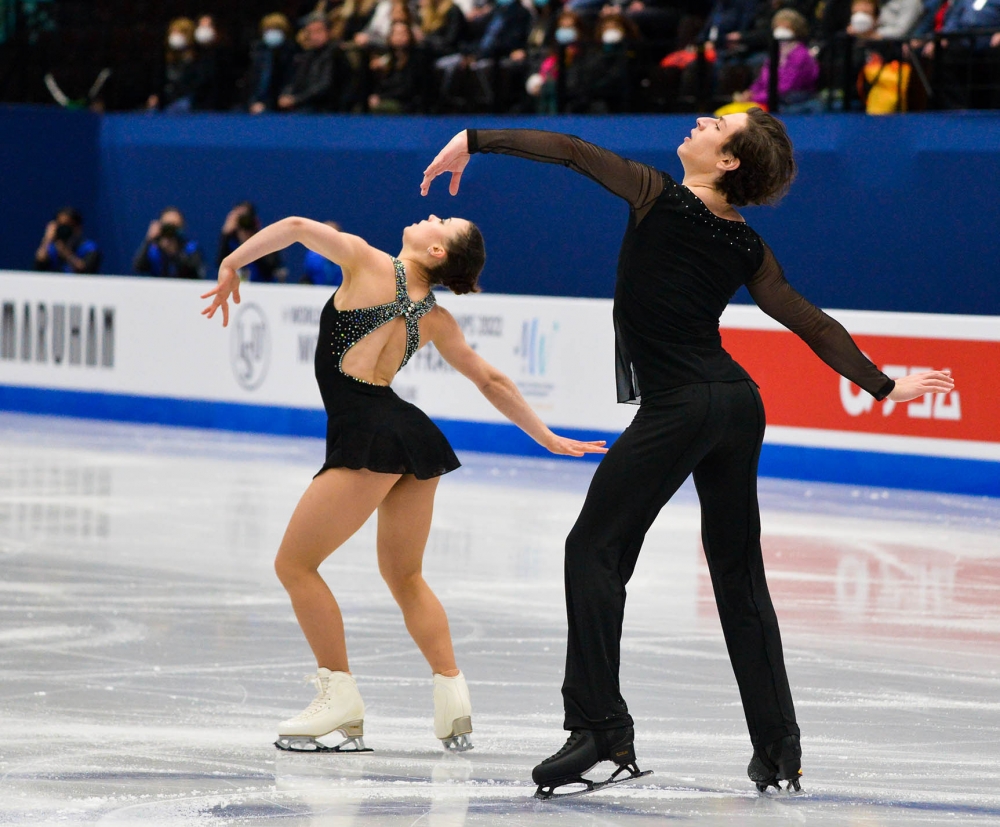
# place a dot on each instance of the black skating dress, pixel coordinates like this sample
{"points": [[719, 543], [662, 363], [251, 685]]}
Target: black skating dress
{"points": [[368, 425]]}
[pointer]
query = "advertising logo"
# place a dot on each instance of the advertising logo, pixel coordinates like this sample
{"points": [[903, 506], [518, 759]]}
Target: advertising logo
{"points": [[57, 334], [536, 346], [250, 346]]}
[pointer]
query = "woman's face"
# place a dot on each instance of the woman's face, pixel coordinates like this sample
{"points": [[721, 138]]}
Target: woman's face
{"points": [[702, 149], [434, 231]]}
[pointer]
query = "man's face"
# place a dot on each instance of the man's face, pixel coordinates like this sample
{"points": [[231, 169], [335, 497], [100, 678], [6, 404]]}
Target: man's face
{"points": [[317, 35]]}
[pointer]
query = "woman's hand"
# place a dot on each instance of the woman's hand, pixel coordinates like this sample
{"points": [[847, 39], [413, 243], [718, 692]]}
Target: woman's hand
{"points": [[917, 384], [453, 159], [573, 447], [229, 285]]}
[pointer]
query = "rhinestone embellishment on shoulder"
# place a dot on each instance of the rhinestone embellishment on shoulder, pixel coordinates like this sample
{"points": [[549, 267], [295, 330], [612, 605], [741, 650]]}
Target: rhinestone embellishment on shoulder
{"points": [[351, 326]]}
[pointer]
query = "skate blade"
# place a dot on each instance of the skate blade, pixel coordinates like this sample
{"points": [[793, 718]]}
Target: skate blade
{"points": [[793, 787], [457, 743], [305, 743], [547, 792]]}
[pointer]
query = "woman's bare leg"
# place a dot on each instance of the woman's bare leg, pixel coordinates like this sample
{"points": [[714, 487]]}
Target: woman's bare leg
{"points": [[404, 521], [334, 506]]}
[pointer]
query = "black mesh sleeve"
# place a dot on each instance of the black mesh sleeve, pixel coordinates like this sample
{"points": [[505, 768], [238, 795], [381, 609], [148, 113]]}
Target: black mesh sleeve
{"points": [[638, 184], [826, 336]]}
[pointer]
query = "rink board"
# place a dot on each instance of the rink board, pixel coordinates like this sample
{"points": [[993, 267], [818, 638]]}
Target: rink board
{"points": [[137, 349]]}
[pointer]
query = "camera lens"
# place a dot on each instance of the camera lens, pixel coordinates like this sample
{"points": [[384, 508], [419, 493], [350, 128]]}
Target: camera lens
{"points": [[64, 232]]}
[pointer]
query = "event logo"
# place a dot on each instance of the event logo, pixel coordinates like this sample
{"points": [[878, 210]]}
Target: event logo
{"points": [[250, 346], [536, 347]]}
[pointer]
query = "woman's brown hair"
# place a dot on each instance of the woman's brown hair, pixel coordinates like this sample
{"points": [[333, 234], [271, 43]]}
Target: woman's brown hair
{"points": [[767, 162], [460, 270]]}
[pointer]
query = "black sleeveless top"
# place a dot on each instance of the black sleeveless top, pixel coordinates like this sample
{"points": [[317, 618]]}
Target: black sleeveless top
{"points": [[678, 268], [368, 425]]}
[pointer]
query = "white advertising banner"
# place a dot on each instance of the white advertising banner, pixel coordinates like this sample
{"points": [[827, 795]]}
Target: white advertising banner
{"points": [[146, 337]]}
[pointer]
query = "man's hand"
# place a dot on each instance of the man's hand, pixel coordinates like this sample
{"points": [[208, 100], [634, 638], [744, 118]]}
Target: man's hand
{"points": [[453, 158], [917, 384]]}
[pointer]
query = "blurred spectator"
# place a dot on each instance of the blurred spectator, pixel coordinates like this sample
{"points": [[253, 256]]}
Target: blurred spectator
{"points": [[506, 32], [601, 79], [568, 35], [315, 85], [272, 62], [215, 60], [379, 28], [798, 71], [350, 18], [655, 19], [896, 19], [725, 17], [522, 63], [394, 74], [182, 85], [320, 270], [166, 252], [961, 74], [864, 13], [442, 26], [64, 248], [241, 223]]}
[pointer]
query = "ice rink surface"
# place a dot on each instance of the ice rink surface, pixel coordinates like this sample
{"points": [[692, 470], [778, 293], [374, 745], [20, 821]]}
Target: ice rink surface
{"points": [[147, 650]]}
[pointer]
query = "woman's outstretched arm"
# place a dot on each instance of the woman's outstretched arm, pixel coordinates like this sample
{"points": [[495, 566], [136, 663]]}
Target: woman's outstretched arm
{"points": [[637, 183], [498, 388], [341, 248]]}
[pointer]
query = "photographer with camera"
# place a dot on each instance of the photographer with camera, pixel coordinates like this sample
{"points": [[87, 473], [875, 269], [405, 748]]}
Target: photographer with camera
{"points": [[64, 249], [166, 252], [241, 223]]}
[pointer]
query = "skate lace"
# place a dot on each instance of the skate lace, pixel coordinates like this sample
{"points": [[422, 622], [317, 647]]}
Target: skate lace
{"points": [[319, 702], [570, 743]]}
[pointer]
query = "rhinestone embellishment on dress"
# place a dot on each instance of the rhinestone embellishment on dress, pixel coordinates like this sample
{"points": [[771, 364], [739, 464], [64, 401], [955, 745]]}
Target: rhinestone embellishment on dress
{"points": [[351, 326]]}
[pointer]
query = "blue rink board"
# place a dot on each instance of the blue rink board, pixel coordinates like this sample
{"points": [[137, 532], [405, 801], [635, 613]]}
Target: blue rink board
{"points": [[922, 473]]}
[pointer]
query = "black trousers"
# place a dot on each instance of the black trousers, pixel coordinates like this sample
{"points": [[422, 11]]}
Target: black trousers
{"points": [[714, 430]]}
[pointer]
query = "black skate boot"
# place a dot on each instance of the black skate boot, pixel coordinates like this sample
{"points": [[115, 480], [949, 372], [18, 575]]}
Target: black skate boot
{"points": [[779, 761], [583, 750]]}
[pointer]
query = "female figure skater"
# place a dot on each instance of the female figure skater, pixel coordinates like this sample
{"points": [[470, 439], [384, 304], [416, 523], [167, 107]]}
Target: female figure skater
{"points": [[382, 453], [685, 252]]}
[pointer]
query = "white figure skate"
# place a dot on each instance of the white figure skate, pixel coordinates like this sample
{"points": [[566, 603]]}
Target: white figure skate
{"points": [[452, 713], [337, 707]]}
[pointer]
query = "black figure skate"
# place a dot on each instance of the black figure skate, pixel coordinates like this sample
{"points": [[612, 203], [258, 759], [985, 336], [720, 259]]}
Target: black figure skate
{"points": [[779, 761], [584, 749]]}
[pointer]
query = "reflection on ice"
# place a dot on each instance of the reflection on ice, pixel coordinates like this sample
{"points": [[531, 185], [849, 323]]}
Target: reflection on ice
{"points": [[147, 651]]}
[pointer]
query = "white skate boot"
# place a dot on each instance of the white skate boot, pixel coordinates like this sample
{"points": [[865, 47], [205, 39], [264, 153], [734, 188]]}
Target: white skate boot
{"points": [[452, 712], [337, 707]]}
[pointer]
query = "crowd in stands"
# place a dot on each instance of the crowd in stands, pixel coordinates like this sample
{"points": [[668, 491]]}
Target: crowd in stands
{"points": [[397, 56], [168, 251]]}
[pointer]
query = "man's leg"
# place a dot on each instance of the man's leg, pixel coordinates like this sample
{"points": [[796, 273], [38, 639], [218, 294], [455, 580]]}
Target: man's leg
{"points": [[726, 480], [643, 469]]}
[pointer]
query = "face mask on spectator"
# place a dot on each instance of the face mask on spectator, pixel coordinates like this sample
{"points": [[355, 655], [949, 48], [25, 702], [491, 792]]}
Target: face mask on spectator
{"points": [[566, 34], [783, 33], [503, 2], [204, 35], [612, 35], [273, 38], [541, 3], [177, 41], [862, 22]]}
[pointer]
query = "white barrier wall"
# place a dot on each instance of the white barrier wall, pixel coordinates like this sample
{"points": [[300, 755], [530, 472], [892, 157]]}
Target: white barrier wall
{"points": [[145, 339]]}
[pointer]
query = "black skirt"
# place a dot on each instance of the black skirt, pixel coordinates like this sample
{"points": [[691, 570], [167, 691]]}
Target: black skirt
{"points": [[369, 426]]}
